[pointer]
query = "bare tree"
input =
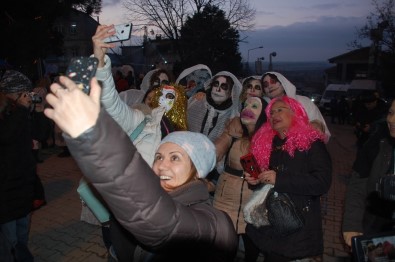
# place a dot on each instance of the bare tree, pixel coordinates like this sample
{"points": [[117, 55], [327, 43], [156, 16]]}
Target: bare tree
{"points": [[169, 15], [380, 26], [239, 13]]}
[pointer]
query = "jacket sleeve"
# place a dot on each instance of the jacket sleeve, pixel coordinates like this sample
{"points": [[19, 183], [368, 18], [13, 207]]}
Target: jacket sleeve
{"points": [[133, 191], [125, 116]]}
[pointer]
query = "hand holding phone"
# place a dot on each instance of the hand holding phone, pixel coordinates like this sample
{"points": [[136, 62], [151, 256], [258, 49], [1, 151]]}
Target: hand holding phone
{"points": [[122, 33], [81, 70], [250, 165]]}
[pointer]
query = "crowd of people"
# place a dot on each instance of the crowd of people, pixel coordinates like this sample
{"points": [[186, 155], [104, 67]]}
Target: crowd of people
{"points": [[182, 139]]}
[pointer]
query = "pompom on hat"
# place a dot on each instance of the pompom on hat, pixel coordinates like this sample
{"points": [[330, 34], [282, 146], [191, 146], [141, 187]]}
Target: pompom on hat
{"points": [[13, 82], [199, 148]]}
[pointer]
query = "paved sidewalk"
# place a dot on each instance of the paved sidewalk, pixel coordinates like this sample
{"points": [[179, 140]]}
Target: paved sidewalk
{"points": [[57, 234], [342, 150]]}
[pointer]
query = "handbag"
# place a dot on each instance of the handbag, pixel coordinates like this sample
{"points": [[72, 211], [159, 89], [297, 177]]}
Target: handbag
{"points": [[283, 215], [90, 197]]}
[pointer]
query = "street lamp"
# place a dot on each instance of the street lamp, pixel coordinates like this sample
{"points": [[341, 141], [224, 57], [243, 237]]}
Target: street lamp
{"points": [[248, 57], [272, 54], [259, 66]]}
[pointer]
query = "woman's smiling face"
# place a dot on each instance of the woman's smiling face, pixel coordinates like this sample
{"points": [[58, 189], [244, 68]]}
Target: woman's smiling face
{"points": [[173, 166]]}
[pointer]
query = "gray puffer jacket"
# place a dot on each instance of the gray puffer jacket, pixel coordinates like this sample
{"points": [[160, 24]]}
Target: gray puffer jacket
{"points": [[133, 193]]}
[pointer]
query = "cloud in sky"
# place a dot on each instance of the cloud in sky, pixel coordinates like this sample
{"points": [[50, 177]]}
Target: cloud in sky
{"points": [[106, 3], [303, 41]]}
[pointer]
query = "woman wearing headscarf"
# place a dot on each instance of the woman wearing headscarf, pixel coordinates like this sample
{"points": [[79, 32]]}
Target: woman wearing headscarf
{"points": [[194, 78], [210, 115], [294, 160]]}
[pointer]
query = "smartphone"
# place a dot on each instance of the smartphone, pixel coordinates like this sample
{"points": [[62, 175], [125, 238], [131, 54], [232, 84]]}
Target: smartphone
{"points": [[81, 70], [250, 165], [122, 33]]}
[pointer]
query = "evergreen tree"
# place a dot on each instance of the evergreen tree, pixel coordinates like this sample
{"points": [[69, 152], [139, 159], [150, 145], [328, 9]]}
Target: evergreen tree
{"points": [[207, 38]]}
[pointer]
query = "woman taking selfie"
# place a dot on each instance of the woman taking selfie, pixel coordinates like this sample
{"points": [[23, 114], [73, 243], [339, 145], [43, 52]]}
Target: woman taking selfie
{"points": [[167, 207]]}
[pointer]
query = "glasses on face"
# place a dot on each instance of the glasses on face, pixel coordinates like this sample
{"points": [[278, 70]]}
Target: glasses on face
{"points": [[223, 86], [271, 82], [278, 110], [256, 87]]}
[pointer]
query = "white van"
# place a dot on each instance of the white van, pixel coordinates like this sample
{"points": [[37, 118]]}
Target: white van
{"points": [[330, 92], [358, 86]]}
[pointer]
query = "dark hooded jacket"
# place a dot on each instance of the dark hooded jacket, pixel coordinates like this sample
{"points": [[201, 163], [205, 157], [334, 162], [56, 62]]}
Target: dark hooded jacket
{"points": [[17, 165], [172, 229], [364, 210]]}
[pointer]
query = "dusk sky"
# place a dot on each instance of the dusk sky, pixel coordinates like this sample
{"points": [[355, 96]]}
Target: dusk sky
{"points": [[308, 30]]}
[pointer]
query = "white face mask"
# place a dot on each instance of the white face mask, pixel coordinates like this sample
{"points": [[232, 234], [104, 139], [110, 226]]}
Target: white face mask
{"points": [[220, 91], [167, 98]]}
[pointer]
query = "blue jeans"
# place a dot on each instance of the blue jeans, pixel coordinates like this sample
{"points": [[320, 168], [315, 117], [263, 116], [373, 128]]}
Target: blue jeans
{"points": [[16, 234]]}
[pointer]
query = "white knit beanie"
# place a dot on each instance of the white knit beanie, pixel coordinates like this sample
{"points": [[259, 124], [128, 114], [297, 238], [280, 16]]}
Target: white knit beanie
{"points": [[198, 147]]}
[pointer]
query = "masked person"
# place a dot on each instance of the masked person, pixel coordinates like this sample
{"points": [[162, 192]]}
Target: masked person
{"points": [[155, 78], [194, 78], [210, 114], [232, 191]]}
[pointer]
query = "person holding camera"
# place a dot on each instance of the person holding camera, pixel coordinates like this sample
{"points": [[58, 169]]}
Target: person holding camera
{"points": [[365, 212], [17, 164]]}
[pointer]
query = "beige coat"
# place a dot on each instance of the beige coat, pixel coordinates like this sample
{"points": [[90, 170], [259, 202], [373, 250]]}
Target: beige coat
{"points": [[232, 192]]}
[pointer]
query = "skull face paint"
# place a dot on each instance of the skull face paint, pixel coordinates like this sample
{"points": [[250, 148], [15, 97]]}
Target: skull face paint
{"points": [[167, 98], [221, 90]]}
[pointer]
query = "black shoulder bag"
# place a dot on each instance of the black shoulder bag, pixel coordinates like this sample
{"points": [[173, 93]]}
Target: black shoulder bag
{"points": [[282, 213]]}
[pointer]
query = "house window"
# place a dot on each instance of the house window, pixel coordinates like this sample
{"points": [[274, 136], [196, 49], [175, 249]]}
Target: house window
{"points": [[73, 28]]}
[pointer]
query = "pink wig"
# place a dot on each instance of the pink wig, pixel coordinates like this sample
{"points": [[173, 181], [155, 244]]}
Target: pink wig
{"points": [[299, 136]]}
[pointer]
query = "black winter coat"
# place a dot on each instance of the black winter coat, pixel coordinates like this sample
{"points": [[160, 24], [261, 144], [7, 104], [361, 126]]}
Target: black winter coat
{"points": [[305, 177], [132, 191], [364, 210], [17, 165]]}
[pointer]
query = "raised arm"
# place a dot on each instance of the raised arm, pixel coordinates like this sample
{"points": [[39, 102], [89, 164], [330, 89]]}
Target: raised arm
{"points": [[125, 116]]}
